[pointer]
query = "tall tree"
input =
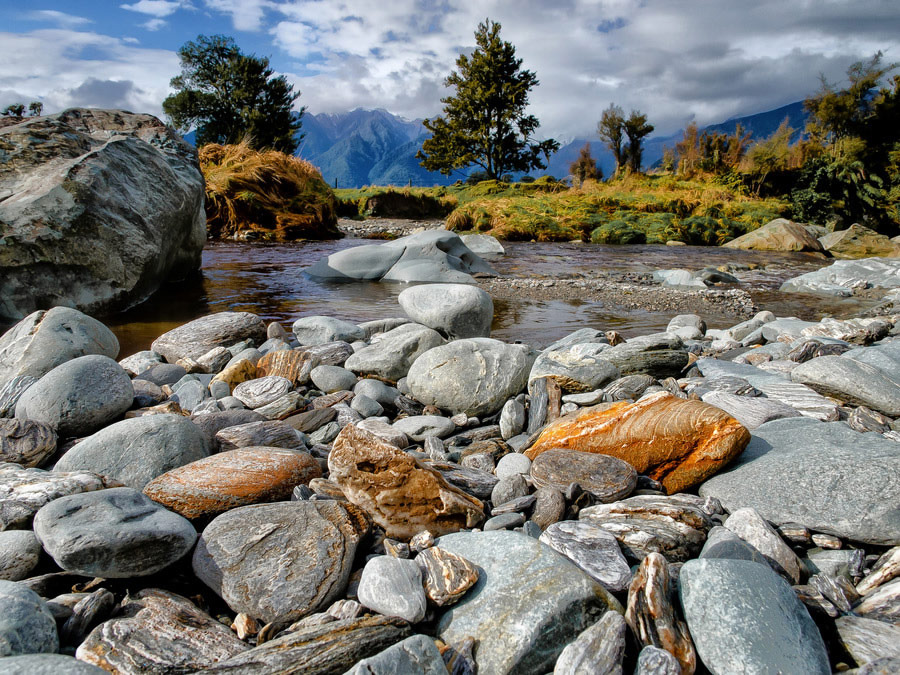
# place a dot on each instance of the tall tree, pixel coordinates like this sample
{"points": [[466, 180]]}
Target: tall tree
{"points": [[636, 129], [484, 122], [228, 95], [611, 130], [585, 167]]}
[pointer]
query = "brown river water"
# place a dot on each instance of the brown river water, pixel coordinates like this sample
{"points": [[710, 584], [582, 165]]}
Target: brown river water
{"points": [[268, 280]]}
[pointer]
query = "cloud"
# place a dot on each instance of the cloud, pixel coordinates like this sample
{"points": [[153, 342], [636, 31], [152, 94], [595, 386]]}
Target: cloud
{"points": [[59, 18], [245, 14], [94, 93], [154, 24], [158, 8]]}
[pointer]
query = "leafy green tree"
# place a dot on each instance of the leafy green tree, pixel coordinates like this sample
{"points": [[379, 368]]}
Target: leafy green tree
{"points": [[14, 110], [36, 108], [484, 122], [770, 155], [228, 95], [611, 129], [636, 129], [585, 167]]}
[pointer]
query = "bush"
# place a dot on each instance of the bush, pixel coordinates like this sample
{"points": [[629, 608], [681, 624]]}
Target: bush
{"points": [[617, 232]]}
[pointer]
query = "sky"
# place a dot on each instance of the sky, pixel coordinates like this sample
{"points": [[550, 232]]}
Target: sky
{"points": [[675, 60]]}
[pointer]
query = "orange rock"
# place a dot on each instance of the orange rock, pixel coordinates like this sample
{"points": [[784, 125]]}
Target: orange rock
{"points": [[678, 442], [242, 371], [291, 364], [215, 484], [399, 494]]}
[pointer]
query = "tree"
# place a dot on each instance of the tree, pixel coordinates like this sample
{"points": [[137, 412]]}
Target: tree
{"points": [[228, 95], [585, 167], [636, 129], [484, 122], [36, 108], [14, 110], [610, 128]]}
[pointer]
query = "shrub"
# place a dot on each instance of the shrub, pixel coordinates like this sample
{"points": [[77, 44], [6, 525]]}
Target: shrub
{"points": [[617, 232]]}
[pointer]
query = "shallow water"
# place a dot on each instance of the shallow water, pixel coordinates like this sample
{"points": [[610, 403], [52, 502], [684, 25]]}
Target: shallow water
{"points": [[267, 279]]}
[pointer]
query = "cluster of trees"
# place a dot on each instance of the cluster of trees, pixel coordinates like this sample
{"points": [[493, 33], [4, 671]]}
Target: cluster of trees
{"points": [[18, 109]]}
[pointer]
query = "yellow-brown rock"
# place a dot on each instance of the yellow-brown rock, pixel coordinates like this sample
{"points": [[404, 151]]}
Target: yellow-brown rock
{"points": [[399, 494], [290, 364], [676, 441], [241, 477], [235, 374]]}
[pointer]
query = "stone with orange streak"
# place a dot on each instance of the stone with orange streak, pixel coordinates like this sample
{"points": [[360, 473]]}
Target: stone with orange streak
{"points": [[398, 492], [678, 442], [241, 477], [295, 365], [236, 373]]}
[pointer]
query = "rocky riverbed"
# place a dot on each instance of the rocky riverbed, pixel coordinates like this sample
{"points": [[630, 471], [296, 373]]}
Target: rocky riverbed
{"points": [[410, 495]]}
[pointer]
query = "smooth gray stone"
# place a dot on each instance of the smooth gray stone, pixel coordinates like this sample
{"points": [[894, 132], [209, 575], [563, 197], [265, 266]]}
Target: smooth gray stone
{"points": [[391, 354], [505, 521], [868, 640], [512, 464], [435, 256], [318, 330], [24, 491], [740, 331], [538, 406], [377, 391], [278, 562], [851, 381], [454, 310], [678, 278], [26, 625], [20, 552], [380, 427], [382, 325], [655, 661], [197, 337], [598, 650], [117, 534], [628, 387], [661, 356], [580, 336], [723, 543], [273, 345], [751, 411], [509, 488], [365, 406], [79, 396], [230, 403], [822, 475], [325, 434], [46, 664], [741, 612], [512, 419], [418, 427], [48, 338], [370, 262], [474, 376], [790, 326], [578, 368], [747, 524], [842, 276], [585, 399], [687, 326], [529, 602], [189, 395], [593, 549], [393, 587], [137, 450], [250, 354], [482, 244], [475, 482], [885, 357], [332, 378], [607, 478], [12, 391], [416, 655], [281, 406], [162, 373]]}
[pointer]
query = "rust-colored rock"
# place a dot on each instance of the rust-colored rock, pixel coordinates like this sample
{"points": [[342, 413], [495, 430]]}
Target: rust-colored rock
{"points": [[241, 477], [678, 442], [236, 373], [400, 494], [291, 364]]}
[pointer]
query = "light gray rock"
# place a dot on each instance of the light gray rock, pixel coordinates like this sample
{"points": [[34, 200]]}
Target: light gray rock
{"points": [[162, 373], [751, 411], [868, 640], [189, 394], [580, 336], [393, 587], [512, 464], [591, 548], [135, 451], [319, 330], [861, 472], [851, 381], [391, 354], [385, 431], [678, 278], [886, 666], [382, 325], [332, 378], [48, 338], [527, 605], [483, 245], [26, 625], [741, 612], [723, 543], [842, 276], [789, 326], [454, 310], [512, 419], [750, 526], [687, 326], [474, 376], [576, 369], [79, 396], [116, 534], [197, 337], [365, 406], [278, 562], [508, 489], [262, 390], [418, 427], [46, 664], [416, 655], [20, 552], [11, 392], [377, 391], [655, 661], [598, 650], [100, 208], [212, 423]]}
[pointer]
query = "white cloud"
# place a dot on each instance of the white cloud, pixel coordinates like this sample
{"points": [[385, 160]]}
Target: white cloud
{"points": [[154, 24], [158, 8], [245, 14], [59, 18]]}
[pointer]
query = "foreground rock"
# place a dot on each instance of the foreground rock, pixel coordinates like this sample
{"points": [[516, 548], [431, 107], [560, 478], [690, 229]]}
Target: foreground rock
{"points": [[399, 494], [777, 235], [454, 310], [675, 441], [822, 475], [26, 625], [417, 654], [526, 607], [197, 337], [100, 208], [47, 664], [852, 381], [741, 612], [25, 442]]}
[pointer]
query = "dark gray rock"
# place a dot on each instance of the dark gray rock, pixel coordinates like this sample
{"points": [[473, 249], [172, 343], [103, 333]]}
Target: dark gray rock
{"points": [[741, 612], [197, 337], [20, 552], [281, 561], [393, 587], [529, 602], [593, 549], [607, 478], [598, 650], [210, 424], [26, 442], [272, 433], [416, 655], [454, 310], [549, 507], [137, 450], [366, 407], [840, 482], [79, 396], [46, 664], [162, 373], [661, 355], [723, 543], [504, 521], [26, 625], [851, 381], [117, 534]]}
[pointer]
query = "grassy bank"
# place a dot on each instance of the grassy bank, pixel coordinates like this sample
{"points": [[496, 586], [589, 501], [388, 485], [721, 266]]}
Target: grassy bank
{"points": [[634, 209]]}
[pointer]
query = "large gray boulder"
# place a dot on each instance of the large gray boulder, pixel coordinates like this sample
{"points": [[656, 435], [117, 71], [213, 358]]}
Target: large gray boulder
{"points": [[135, 451], [116, 534], [475, 376], [26, 625], [454, 310], [391, 354], [780, 234], [851, 381], [431, 256], [197, 337], [98, 208], [79, 396], [45, 339], [843, 276], [822, 475], [745, 618]]}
